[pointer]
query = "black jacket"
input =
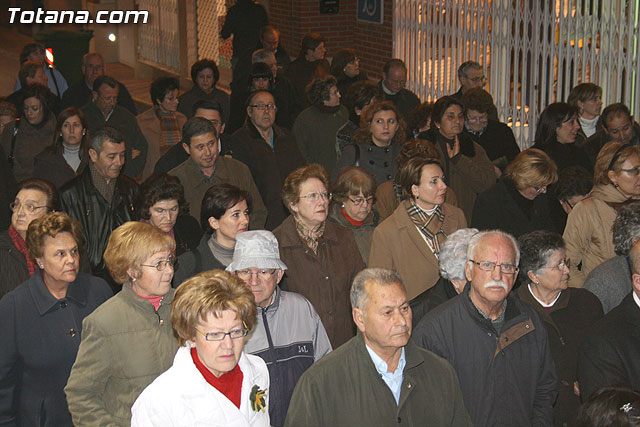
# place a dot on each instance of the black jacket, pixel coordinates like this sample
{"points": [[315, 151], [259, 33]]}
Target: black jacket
{"points": [[405, 100], [196, 261], [187, 234], [611, 353], [273, 165], [502, 207], [498, 141], [441, 292], [8, 190], [82, 201], [40, 336], [568, 321], [565, 155], [507, 379], [13, 265]]}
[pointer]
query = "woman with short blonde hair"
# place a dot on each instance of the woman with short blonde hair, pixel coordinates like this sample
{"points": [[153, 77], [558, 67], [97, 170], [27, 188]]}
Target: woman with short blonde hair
{"points": [[212, 380], [588, 234], [128, 341], [518, 203]]}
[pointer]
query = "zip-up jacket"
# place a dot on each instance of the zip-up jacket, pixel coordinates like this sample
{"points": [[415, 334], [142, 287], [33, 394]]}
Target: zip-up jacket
{"points": [[289, 337], [507, 379]]}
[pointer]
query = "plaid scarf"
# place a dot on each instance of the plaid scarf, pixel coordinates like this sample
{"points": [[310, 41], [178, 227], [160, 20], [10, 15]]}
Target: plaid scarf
{"points": [[429, 225], [170, 133], [21, 246], [309, 236]]}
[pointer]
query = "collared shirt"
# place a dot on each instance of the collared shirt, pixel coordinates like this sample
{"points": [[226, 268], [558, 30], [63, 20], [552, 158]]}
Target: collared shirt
{"points": [[636, 299], [393, 380], [542, 303], [499, 322]]}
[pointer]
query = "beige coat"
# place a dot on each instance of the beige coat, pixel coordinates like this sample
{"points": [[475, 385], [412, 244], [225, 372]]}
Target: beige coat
{"points": [[397, 244], [588, 234], [150, 127]]}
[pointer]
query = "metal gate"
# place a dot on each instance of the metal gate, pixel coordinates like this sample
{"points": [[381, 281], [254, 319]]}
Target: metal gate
{"points": [[158, 39], [533, 51]]}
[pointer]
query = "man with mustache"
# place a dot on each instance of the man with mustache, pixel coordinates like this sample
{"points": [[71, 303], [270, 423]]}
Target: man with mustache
{"points": [[378, 378], [496, 343]]}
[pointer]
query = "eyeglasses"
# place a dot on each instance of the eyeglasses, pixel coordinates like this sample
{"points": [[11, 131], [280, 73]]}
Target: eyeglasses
{"points": [[219, 336], [565, 263], [479, 119], [477, 79], [262, 107], [314, 197], [505, 267], [633, 171], [28, 207], [360, 201], [540, 189], [264, 274], [161, 265]]}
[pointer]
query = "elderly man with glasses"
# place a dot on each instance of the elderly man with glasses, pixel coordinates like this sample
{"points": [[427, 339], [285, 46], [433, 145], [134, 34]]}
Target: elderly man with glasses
{"points": [[288, 334], [496, 343]]}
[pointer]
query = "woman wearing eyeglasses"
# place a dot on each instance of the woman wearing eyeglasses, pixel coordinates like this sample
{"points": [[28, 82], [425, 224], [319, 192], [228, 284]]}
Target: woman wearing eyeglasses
{"points": [[568, 313], [518, 202], [128, 341], [409, 241], [345, 67], [352, 206], [323, 257], [35, 199], [588, 232], [42, 323], [212, 381]]}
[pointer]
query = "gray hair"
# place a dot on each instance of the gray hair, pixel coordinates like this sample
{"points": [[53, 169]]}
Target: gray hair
{"points": [[453, 254], [261, 55], [465, 66], [626, 228], [105, 133], [90, 55], [380, 276], [475, 239]]}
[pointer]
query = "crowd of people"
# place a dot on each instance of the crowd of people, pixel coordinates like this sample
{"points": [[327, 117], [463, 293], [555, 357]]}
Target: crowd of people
{"points": [[300, 252]]}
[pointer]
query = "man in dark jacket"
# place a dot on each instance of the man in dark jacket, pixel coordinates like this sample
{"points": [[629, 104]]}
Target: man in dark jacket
{"points": [[101, 197], [378, 378], [497, 344], [276, 150], [611, 354], [394, 78], [81, 92], [105, 111], [617, 125], [288, 334]]}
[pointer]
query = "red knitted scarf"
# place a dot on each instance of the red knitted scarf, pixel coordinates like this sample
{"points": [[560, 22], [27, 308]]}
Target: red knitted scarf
{"points": [[21, 246]]}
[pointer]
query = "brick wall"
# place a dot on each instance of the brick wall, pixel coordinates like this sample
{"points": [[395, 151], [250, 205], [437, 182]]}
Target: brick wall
{"points": [[372, 42]]}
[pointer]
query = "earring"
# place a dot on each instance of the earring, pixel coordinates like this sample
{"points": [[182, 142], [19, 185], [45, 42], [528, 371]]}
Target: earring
{"points": [[41, 267], [84, 132], [342, 205], [615, 184], [60, 133]]}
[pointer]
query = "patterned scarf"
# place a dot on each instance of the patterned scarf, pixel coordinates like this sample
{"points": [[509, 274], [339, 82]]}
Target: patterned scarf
{"points": [[169, 130], [309, 236], [21, 246], [429, 225]]}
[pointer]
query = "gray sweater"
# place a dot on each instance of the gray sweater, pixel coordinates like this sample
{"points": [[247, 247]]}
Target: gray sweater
{"points": [[610, 282]]}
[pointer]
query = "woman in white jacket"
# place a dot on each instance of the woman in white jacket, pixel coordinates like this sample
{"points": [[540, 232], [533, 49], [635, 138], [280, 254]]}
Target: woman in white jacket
{"points": [[212, 381]]}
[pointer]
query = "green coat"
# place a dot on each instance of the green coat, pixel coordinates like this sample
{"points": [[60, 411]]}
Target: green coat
{"points": [[125, 345], [345, 389], [228, 171]]}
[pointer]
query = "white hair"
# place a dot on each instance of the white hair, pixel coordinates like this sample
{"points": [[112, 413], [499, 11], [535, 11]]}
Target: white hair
{"points": [[473, 242], [380, 276], [453, 254]]}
